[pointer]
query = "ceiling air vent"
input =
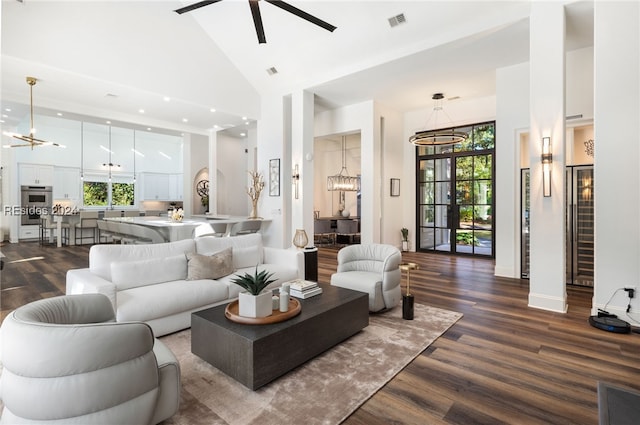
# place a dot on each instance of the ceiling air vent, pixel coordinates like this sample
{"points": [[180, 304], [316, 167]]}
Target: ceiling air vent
{"points": [[397, 20], [272, 70]]}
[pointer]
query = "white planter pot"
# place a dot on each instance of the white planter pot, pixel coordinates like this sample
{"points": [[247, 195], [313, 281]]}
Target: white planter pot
{"points": [[405, 245], [255, 305]]}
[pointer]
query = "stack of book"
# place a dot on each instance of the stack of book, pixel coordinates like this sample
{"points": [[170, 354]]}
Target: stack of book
{"points": [[304, 289]]}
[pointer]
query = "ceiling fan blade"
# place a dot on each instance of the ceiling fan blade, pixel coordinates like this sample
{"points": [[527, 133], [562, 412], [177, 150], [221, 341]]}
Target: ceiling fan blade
{"points": [[302, 14], [257, 20], [195, 6]]}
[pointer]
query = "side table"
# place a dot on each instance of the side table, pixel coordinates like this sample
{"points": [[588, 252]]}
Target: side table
{"points": [[311, 263], [407, 299]]}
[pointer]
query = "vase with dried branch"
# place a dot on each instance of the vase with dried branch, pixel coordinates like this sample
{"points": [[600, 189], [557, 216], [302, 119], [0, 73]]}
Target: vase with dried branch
{"points": [[257, 184]]}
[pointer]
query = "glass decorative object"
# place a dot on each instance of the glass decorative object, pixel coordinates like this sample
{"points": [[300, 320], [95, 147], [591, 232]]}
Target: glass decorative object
{"points": [[300, 239]]}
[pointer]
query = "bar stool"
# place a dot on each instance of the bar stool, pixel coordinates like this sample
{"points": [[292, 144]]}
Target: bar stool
{"points": [[88, 220], [48, 226]]}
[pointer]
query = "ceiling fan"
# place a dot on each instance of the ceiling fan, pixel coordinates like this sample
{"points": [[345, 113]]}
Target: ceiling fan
{"points": [[30, 140], [257, 18]]}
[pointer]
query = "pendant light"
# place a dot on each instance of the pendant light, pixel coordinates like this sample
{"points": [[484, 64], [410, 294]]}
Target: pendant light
{"points": [[110, 164], [343, 181], [438, 137], [30, 140]]}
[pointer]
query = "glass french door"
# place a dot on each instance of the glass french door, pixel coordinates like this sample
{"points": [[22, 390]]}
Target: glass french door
{"points": [[455, 195], [579, 225]]}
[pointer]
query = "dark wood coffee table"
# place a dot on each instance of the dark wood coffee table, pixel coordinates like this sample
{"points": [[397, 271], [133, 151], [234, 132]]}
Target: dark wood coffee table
{"points": [[255, 355]]}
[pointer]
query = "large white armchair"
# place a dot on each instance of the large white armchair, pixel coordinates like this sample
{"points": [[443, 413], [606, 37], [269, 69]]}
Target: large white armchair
{"points": [[66, 361], [374, 269]]}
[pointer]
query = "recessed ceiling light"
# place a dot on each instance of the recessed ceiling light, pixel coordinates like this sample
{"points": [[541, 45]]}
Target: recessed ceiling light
{"points": [[243, 134], [7, 109], [216, 126], [244, 118], [212, 109], [59, 114], [167, 99], [5, 116], [108, 122], [185, 120], [148, 128], [141, 111], [2, 121], [246, 122]]}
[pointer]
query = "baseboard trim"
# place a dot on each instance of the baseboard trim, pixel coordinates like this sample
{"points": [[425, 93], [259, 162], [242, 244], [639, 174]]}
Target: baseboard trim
{"points": [[546, 302]]}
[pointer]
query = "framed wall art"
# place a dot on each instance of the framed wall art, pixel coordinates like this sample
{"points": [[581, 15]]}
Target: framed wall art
{"points": [[274, 177]]}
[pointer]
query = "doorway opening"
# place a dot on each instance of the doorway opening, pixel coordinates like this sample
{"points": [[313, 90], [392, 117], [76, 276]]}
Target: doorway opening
{"points": [[455, 194]]}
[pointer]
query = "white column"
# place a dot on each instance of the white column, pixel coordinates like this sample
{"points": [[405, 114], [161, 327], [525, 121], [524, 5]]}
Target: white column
{"points": [[302, 132], [617, 154], [547, 108], [187, 176], [213, 168]]}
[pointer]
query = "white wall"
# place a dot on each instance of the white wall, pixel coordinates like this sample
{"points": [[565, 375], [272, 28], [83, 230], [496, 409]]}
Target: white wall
{"points": [[395, 211], [274, 135], [512, 117], [617, 152], [231, 176], [199, 160]]}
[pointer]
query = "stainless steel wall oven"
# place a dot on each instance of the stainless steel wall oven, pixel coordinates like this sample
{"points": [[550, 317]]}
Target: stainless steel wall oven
{"points": [[35, 201]]}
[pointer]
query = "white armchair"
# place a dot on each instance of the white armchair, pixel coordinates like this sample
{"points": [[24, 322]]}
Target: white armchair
{"points": [[65, 360], [373, 269]]}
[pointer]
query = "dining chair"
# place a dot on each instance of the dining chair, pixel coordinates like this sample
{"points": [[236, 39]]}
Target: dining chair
{"points": [[323, 233], [347, 229]]}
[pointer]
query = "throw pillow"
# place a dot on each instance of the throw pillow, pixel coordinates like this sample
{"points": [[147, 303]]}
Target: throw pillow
{"points": [[209, 266]]}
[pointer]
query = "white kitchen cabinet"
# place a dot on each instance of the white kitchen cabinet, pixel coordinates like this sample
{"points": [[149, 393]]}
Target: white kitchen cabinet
{"points": [[155, 186], [29, 231], [66, 184], [175, 187], [35, 175]]}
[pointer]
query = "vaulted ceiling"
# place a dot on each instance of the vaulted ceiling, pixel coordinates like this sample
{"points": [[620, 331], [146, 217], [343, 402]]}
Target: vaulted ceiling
{"points": [[112, 59]]}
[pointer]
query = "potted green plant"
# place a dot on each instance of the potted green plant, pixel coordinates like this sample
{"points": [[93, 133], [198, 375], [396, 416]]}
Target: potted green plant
{"points": [[405, 238], [254, 301]]}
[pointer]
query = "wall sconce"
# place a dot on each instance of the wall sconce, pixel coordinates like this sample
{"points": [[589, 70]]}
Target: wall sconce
{"points": [[546, 166], [295, 177]]}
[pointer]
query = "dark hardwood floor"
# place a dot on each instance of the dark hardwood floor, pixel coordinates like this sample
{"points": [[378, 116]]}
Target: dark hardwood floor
{"points": [[502, 363]]}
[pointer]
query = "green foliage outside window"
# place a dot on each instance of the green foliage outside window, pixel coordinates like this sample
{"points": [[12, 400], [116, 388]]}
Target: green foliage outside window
{"points": [[95, 193], [122, 193], [466, 238]]}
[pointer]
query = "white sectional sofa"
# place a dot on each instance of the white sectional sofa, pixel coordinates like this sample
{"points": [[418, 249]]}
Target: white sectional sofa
{"points": [[152, 283]]}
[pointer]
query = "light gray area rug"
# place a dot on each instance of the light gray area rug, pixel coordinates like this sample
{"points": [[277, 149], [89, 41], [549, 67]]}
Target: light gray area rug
{"points": [[325, 390]]}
